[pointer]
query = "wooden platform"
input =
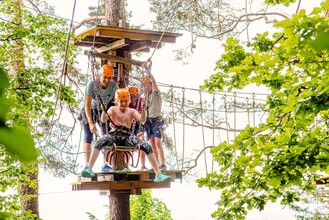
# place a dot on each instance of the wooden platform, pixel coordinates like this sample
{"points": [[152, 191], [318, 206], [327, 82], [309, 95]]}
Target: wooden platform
{"points": [[106, 38], [132, 182]]}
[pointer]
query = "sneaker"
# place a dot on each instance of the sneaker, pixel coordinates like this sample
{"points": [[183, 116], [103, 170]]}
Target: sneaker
{"points": [[125, 170], [87, 172], [163, 167], [144, 168], [107, 169], [162, 178]]}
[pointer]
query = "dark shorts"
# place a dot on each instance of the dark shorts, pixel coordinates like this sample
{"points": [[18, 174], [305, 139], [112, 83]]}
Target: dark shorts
{"points": [[122, 139], [153, 126], [88, 136]]}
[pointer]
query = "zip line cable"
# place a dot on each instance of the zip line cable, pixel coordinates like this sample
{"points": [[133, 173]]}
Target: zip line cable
{"points": [[64, 69]]}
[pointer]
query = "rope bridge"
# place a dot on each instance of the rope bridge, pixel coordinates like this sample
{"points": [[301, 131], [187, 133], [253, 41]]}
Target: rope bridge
{"points": [[195, 121]]}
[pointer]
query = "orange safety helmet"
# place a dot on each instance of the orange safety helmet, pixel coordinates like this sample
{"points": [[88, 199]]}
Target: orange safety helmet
{"points": [[107, 70], [122, 94], [133, 90], [144, 80]]}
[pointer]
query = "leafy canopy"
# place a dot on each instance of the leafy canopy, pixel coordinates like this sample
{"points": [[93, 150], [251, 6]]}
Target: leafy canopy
{"points": [[280, 158]]}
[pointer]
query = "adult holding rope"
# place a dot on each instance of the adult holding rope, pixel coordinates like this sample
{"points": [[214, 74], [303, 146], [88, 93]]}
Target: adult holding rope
{"points": [[154, 121], [100, 93]]}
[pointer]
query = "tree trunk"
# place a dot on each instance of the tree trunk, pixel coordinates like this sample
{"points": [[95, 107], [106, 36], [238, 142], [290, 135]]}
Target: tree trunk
{"points": [[30, 199], [29, 195], [115, 12], [119, 204], [115, 16]]}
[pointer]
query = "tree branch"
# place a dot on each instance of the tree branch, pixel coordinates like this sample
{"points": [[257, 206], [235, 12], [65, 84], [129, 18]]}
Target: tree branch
{"points": [[87, 20], [196, 159]]}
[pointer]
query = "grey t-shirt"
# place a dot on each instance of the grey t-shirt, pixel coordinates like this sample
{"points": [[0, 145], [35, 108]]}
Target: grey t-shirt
{"points": [[106, 94], [154, 104]]}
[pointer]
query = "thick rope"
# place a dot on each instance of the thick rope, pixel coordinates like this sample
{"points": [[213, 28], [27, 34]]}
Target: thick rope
{"points": [[183, 109], [213, 130], [202, 128], [173, 122]]}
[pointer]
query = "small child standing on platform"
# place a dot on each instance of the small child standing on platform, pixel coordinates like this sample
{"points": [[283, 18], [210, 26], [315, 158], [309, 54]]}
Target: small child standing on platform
{"points": [[121, 119]]}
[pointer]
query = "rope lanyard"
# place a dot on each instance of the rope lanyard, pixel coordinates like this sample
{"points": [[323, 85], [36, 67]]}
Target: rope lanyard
{"points": [[147, 67]]}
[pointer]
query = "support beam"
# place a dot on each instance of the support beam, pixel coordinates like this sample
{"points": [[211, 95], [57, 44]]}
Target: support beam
{"points": [[114, 45], [116, 58], [140, 45]]}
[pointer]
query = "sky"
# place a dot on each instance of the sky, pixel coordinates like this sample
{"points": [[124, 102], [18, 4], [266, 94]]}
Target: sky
{"points": [[185, 200]]}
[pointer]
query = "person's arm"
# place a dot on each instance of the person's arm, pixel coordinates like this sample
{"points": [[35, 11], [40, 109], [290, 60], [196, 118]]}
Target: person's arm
{"points": [[154, 84], [88, 109], [89, 115], [104, 117], [136, 115]]}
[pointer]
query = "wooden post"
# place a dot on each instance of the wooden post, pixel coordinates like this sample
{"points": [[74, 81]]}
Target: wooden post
{"points": [[119, 203]]}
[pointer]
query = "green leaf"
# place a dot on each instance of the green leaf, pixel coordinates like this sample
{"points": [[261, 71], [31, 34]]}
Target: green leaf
{"points": [[321, 42], [18, 142]]}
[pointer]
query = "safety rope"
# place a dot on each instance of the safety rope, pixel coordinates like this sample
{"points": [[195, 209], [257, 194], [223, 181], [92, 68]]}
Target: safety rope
{"points": [[248, 111], [202, 128], [62, 78], [183, 109], [213, 130], [63, 74], [173, 122], [226, 119]]}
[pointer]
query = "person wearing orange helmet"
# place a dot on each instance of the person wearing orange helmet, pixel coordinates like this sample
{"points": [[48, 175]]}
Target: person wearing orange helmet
{"points": [[154, 121], [99, 94], [122, 118]]}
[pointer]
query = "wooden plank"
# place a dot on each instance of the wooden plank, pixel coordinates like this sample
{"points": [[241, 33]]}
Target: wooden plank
{"points": [[117, 185], [130, 176], [140, 45], [135, 35], [116, 58], [114, 45]]}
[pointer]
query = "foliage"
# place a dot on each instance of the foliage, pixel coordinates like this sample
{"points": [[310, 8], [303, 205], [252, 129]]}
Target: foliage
{"points": [[22, 148], [279, 159], [144, 207], [212, 19], [32, 47]]}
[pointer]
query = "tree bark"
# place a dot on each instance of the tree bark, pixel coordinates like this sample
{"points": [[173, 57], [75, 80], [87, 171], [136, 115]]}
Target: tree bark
{"points": [[115, 12], [29, 195], [31, 204], [115, 16], [119, 205]]}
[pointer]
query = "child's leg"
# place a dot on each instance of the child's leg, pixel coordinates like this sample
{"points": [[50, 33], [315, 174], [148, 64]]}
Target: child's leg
{"points": [[154, 147], [153, 163], [105, 140], [93, 157]]}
